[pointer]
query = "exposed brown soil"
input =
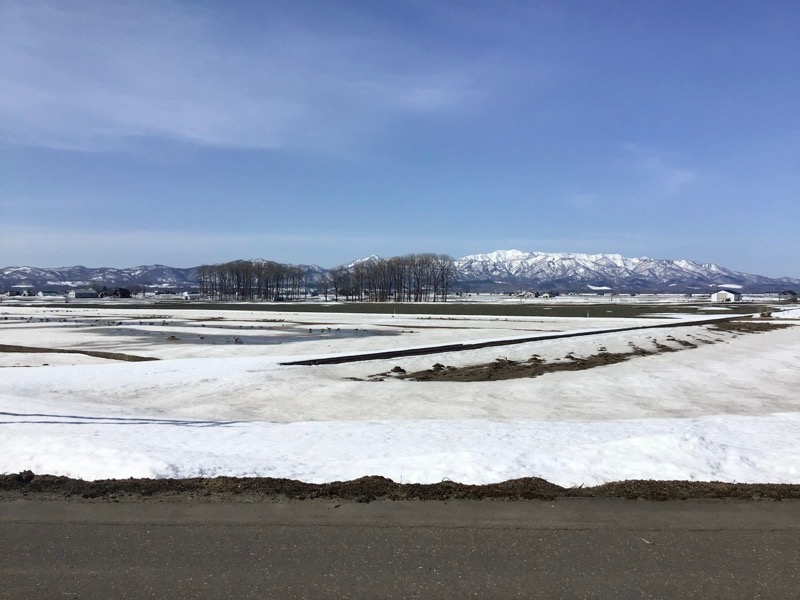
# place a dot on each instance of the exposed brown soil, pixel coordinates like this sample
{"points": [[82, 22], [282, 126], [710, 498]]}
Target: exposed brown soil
{"points": [[749, 326], [503, 368], [94, 353], [28, 486]]}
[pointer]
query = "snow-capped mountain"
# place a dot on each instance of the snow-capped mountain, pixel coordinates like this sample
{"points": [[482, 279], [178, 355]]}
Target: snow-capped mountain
{"points": [[362, 261], [504, 270], [576, 272], [61, 278]]}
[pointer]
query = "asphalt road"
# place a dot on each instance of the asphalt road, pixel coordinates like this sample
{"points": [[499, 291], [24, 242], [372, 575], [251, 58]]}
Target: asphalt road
{"points": [[567, 548]]}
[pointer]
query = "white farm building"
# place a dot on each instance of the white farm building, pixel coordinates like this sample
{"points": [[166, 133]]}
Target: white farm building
{"points": [[726, 296]]}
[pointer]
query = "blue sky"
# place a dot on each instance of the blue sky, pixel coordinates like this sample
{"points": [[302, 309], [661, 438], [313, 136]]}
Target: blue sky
{"points": [[189, 132]]}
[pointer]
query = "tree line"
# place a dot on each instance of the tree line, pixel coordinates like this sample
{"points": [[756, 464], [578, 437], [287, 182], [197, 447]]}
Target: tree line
{"points": [[249, 280], [411, 278]]}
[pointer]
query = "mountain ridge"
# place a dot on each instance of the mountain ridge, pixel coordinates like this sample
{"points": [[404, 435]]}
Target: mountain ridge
{"points": [[568, 271], [500, 270]]}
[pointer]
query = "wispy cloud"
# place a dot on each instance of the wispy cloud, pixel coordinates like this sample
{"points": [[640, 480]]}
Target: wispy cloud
{"points": [[663, 178], [88, 75], [670, 180]]}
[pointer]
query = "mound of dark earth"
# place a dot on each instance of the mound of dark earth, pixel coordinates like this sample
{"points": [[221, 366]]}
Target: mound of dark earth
{"points": [[27, 485]]}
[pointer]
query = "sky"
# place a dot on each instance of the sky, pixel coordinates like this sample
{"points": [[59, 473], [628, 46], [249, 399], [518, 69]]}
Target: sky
{"points": [[186, 132]]}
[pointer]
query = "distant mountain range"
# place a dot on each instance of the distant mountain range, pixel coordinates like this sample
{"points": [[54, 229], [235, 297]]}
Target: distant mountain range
{"points": [[584, 272], [64, 278], [502, 270]]}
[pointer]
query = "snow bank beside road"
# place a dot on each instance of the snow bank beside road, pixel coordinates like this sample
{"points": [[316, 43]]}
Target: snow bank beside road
{"points": [[725, 448]]}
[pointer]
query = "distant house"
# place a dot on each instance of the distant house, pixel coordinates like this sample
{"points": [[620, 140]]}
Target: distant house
{"points": [[50, 294], [83, 293], [787, 296], [116, 293], [726, 296]]}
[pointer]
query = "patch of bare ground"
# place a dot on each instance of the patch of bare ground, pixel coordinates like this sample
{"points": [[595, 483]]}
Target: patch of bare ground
{"points": [[27, 485], [94, 353], [503, 368], [749, 326], [684, 343]]}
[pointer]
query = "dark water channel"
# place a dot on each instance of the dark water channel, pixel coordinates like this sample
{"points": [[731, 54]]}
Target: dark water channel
{"points": [[186, 333]]}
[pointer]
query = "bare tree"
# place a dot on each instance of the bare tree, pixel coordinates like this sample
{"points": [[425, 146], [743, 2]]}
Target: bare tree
{"points": [[358, 276], [324, 285], [338, 276]]}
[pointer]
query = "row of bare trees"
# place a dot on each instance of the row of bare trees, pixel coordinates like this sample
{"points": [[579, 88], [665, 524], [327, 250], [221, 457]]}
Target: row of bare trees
{"points": [[252, 280], [409, 278]]}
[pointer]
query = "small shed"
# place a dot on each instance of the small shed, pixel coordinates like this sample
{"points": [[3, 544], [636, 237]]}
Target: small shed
{"points": [[49, 294], [726, 296], [83, 293], [116, 293]]}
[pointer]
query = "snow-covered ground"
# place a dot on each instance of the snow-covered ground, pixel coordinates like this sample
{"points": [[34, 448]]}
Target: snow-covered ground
{"points": [[218, 402]]}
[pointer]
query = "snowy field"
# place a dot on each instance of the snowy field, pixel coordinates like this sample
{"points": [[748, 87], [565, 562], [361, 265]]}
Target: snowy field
{"points": [[723, 406]]}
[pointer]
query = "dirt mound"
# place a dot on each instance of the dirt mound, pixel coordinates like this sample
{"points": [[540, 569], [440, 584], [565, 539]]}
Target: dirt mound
{"points": [[749, 326], [503, 368], [366, 489]]}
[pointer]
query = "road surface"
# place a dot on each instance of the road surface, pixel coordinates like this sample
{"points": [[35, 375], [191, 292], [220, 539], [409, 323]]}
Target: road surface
{"points": [[565, 548]]}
